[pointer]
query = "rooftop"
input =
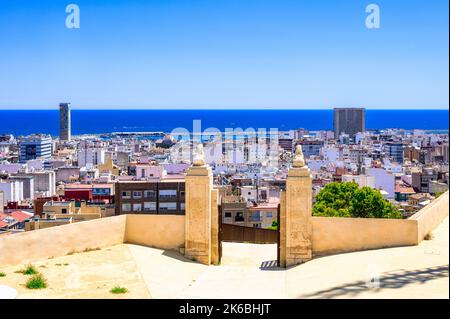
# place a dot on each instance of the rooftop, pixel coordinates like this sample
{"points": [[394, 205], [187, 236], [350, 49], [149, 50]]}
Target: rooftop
{"points": [[403, 189], [53, 203]]}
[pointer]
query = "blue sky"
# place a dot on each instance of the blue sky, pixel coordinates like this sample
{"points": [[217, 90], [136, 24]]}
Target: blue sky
{"points": [[224, 54]]}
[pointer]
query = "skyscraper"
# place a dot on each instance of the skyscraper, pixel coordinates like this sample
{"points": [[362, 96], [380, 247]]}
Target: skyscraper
{"points": [[64, 122], [349, 121]]}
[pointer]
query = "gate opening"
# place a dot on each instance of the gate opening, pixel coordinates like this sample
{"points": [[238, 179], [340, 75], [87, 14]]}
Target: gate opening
{"points": [[260, 243]]}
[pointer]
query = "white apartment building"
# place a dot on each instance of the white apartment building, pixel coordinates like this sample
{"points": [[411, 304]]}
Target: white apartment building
{"points": [[91, 156], [383, 180], [12, 168], [361, 180], [251, 194], [44, 182], [12, 190], [2, 201], [330, 153]]}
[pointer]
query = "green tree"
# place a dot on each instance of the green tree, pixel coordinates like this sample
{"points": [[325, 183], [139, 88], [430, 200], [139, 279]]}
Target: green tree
{"points": [[274, 225], [348, 200]]}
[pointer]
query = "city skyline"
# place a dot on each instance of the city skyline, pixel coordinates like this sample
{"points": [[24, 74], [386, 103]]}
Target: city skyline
{"points": [[231, 108], [224, 55]]}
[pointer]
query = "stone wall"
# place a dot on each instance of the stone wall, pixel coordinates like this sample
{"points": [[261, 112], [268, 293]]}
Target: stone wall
{"points": [[61, 240], [339, 235], [429, 217], [215, 227], [159, 231], [200, 233]]}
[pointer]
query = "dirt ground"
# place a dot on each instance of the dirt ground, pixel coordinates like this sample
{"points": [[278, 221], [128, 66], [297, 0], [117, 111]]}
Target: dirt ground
{"points": [[82, 275]]}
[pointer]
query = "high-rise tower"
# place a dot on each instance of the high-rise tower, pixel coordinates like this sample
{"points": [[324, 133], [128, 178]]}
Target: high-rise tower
{"points": [[64, 122], [349, 121]]}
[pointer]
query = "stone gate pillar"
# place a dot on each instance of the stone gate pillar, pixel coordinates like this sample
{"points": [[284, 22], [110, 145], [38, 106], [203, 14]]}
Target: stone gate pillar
{"points": [[199, 183], [296, 213]]}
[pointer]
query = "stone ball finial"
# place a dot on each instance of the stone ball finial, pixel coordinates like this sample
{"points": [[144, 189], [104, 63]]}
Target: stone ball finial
{"points": [[199, 156], [299, 160]]}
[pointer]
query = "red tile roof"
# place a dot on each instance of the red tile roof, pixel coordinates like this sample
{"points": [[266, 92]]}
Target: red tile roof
{"points": [[21, 215], [403, 189]]}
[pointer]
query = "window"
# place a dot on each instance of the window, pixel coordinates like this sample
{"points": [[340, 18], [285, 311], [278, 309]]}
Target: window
{"points": [[149, 194], [227, 215], [126, 195], [239, 217], [182, 193], [168, 193], [167, 206], [126, 207], [64, 211], [182, 206], [256, 217], [137, 194], [269, 215], [149, 206], [101, 191], [137, 207]]}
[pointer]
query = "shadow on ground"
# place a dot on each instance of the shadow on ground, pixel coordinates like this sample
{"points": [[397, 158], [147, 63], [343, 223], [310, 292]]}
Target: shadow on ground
{"points": [[177, 256], [390, 280], [270, 265]]}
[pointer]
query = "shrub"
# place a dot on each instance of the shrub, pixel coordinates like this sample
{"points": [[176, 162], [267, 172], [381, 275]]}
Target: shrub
{"points": [[2, 274], [91, 249], [28, 270], [119, 290], [428, 236], [274, 225], [37, 282]]}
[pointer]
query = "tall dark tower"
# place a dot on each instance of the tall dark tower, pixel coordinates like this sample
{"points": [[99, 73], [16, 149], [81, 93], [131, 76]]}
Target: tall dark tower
{"points": [[349, 121], [64, 122]]}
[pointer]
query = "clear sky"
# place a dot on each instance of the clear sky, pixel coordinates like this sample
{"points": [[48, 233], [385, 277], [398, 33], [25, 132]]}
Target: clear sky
{"points": [[224, 54]]}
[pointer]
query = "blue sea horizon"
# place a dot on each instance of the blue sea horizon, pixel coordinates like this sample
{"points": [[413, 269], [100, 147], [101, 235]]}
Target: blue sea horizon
{"points": [[24, 122]]}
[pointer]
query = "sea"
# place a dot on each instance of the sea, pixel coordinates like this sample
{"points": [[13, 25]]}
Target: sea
{"points": [[25, 122]]}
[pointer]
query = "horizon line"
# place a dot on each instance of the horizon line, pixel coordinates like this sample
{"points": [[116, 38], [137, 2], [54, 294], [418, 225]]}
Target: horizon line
{"points": [[225, 109]]}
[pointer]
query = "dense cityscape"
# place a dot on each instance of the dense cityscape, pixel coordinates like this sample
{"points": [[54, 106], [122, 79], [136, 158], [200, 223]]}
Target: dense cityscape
{"points": [[48, 181]]}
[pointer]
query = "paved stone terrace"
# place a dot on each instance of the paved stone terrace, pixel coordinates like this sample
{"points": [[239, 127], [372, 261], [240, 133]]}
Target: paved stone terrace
{"points": [[246, 271]]}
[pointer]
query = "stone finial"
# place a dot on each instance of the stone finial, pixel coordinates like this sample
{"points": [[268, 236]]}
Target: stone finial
{"points": [[299, 160], [199, 156]]}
